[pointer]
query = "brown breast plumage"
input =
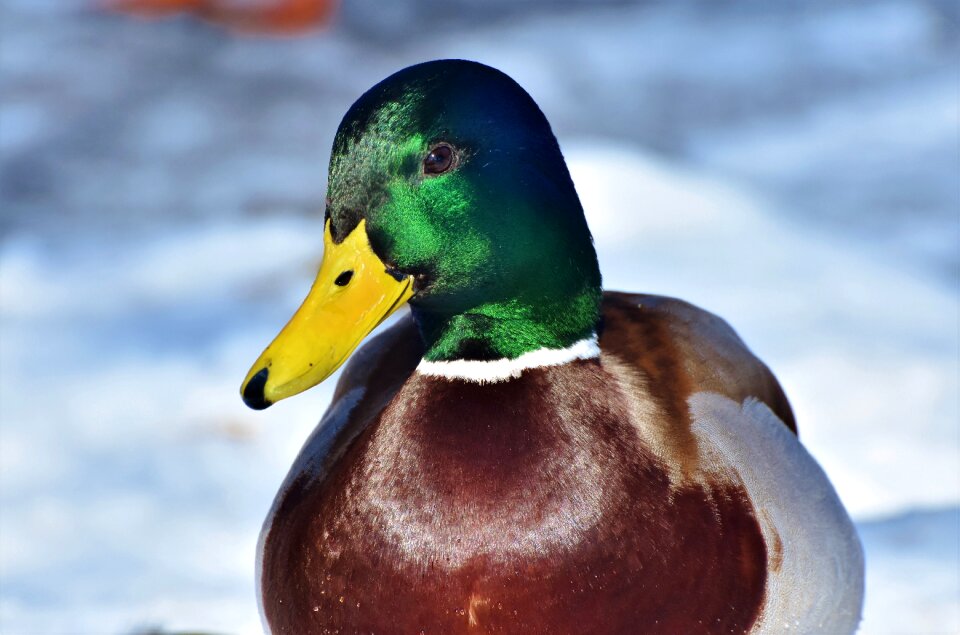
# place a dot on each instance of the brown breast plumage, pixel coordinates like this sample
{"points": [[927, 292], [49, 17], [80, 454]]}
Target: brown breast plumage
{"points": [[569, 500]]}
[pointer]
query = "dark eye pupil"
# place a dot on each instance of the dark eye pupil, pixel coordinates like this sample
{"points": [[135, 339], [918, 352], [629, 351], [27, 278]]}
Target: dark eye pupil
{"points": [[438, 160]]}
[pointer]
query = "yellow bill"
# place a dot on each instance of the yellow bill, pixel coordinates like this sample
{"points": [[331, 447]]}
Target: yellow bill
{"points": [[353, 293]]}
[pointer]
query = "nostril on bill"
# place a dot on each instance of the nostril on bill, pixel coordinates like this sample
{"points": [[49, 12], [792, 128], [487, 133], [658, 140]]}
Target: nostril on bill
{"points": [[253, 393], [344, 278]]}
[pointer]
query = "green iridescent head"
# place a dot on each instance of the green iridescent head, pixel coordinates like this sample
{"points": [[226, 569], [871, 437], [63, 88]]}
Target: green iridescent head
{"points": [[461, 183]]}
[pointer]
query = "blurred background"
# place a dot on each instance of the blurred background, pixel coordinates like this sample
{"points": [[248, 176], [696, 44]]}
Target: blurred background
{"points": [[792, 166]]}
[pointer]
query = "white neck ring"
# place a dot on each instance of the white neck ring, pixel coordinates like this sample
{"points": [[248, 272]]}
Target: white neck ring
{"points": [[498, 370]]}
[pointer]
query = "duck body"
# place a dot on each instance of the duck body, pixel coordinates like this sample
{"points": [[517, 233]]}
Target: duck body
{"points": [[595, 496], [524, 453]]}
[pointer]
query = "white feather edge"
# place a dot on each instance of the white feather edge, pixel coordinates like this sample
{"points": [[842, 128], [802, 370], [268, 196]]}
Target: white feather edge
{"points": [[818, 587], [499, 370]]}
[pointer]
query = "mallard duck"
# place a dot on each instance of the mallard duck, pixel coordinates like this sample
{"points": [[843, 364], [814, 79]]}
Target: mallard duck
{"points": [[524, 452]]}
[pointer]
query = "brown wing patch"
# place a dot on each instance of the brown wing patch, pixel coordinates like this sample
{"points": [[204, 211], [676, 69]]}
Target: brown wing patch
{"points": [[641, 354], [679, 350]]}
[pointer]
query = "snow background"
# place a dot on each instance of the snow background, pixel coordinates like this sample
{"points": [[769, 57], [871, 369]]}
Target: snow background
{"points": [[793, 167]]}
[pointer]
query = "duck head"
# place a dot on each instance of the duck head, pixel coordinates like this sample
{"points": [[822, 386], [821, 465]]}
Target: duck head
{"points": [[447, 190]]}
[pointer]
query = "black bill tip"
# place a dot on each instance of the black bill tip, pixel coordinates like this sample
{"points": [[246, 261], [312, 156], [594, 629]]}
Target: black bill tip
{"points": [[253, 393]]}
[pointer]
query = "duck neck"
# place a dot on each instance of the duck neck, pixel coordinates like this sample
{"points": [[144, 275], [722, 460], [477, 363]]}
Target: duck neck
{"points": [[510, 329]]}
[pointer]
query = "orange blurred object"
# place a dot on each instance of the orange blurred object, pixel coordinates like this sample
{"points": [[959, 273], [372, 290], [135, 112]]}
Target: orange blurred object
{"points": [[262, 16]]}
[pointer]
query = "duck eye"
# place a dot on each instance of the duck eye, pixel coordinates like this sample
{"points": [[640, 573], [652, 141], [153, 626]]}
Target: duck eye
{"points": [[438, 160]]}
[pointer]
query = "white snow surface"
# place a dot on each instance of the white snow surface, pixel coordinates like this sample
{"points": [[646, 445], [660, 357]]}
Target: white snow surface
{"points": [[793, 170]]}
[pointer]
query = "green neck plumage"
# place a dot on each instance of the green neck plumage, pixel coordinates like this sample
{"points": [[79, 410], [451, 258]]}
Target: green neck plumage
{"points": [[508, 329]]}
